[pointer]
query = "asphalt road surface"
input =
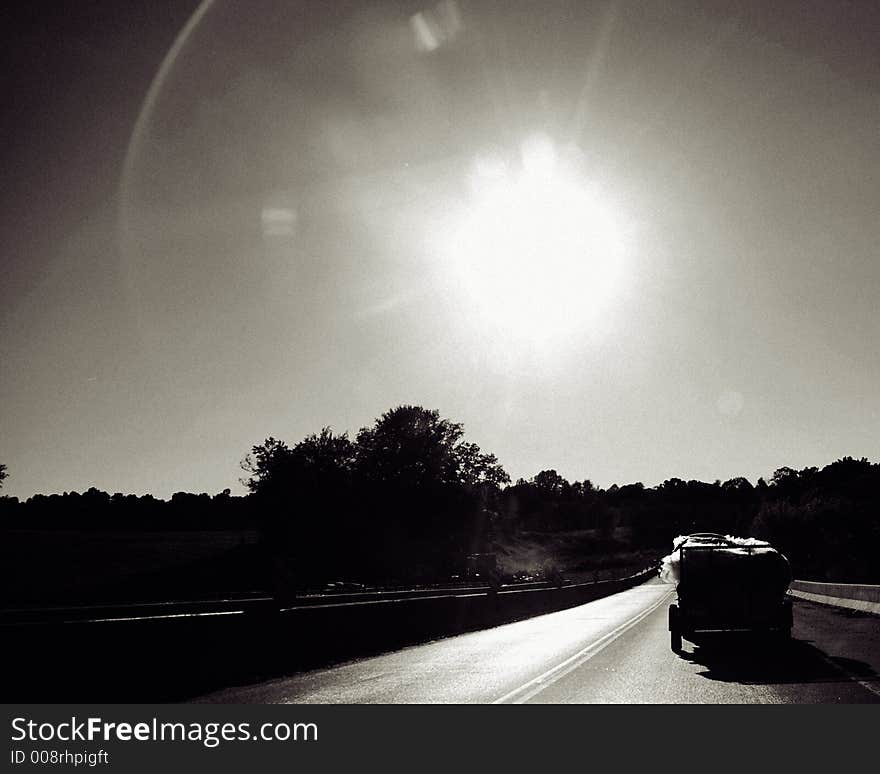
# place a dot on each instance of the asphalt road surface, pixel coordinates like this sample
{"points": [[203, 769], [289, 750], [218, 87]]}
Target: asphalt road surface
{"points": [[612, 650]]}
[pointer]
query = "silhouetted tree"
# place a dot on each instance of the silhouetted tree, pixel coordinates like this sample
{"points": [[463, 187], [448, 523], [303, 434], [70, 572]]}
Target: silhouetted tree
{"points": [[265, 464], [785, 480], [409, 485], [550, 484], [324, 459], [475, 468], [738, 486], [412, 446], [3, 475]]}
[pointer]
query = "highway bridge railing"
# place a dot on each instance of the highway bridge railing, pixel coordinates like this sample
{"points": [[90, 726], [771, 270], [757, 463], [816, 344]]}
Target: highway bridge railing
{"points": [[168, 653], [262, 602], [849, 595]]}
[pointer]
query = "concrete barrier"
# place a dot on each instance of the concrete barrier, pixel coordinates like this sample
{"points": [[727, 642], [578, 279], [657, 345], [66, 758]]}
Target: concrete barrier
{"points": [[853, 596]]}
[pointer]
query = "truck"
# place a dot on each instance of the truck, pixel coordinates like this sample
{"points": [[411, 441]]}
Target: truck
{"points": [[727, 584]]}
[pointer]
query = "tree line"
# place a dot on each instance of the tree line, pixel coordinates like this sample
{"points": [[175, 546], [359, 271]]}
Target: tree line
{"points": [[407, 498], [826, 521]]}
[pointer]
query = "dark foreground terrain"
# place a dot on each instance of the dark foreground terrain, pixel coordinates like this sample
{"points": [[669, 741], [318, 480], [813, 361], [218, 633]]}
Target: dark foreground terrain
{"points": [[614, 649]]}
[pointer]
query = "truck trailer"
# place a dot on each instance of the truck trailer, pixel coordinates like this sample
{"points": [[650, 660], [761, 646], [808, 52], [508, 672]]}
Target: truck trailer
{"points": [[727, 584]]}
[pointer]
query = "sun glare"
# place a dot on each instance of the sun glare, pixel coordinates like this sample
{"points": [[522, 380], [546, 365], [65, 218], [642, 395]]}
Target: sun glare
{"points": [[536, 249]]}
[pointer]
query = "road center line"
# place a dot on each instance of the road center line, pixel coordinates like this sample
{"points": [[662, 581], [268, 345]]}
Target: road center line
{"points": [[542, 681]]}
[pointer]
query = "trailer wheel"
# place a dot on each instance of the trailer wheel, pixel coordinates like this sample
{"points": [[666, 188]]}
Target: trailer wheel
{"points": [[674, 630], [783, 634]]}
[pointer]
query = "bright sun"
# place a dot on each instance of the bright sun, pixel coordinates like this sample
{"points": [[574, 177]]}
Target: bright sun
{"points": [[537, 251]]}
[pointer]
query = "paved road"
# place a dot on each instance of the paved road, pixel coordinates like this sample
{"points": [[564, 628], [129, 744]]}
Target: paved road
{"points": [[613, 650]]}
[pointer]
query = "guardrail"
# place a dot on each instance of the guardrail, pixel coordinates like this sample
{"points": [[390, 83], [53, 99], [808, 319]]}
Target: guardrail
{"points": [[850, 595], [172, 653], [129, 612], [437, 614], [264, 603]]}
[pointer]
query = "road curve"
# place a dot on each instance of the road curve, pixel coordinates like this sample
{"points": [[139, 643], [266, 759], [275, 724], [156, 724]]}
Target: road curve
{"points": [[612, 650]]}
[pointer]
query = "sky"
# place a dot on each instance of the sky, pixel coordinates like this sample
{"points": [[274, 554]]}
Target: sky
{"points": [[627, 241]]}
